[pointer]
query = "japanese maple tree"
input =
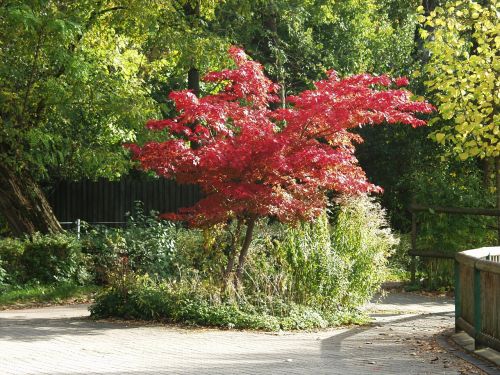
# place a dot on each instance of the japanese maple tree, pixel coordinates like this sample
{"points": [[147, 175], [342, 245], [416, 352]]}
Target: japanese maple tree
{"points": [[253, 161]]}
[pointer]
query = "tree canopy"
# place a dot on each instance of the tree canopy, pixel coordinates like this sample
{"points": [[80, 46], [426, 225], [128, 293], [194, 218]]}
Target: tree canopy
{"points": [[463, 74]]}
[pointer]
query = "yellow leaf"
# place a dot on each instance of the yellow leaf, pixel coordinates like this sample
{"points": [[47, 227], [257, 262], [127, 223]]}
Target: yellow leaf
{"points": [[440, 137]]}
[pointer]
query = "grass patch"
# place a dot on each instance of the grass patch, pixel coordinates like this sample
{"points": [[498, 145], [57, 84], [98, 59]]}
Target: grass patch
{"points": [[46, 294]]}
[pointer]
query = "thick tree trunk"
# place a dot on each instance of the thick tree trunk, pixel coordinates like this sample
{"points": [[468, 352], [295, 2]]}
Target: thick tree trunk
{"points": [[192, 12], [244, 252], [194, 81], [232, 256], [486, 167], [24, 206]]}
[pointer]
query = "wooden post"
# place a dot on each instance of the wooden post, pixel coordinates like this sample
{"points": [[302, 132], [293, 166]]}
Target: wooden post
{"points": [[458, 296], [477, 308]]}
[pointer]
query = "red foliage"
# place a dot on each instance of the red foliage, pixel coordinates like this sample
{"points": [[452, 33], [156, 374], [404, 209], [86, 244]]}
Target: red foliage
{"points": [[253, 161]]}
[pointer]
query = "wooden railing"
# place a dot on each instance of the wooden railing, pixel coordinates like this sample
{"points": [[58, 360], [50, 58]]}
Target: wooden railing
{"points": [[477, 295], [416, 208]]}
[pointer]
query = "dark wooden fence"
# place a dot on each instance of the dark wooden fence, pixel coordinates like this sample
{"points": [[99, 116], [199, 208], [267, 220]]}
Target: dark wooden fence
{"points": [[106, 201], [415, 208]]}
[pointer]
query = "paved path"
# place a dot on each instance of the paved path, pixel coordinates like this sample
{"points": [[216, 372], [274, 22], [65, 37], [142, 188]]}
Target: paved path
{"points": [[59, 340]]}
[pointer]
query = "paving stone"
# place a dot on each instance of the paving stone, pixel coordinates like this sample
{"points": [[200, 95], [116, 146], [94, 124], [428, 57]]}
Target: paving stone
{"points": [[62, 340]]}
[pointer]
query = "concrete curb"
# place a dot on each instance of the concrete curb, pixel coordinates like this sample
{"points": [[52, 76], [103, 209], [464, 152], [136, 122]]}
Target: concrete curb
{"points": [[482, 363]]}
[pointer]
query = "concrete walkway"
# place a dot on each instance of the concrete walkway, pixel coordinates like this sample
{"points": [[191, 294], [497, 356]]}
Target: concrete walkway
{"points": [[60, 340]]}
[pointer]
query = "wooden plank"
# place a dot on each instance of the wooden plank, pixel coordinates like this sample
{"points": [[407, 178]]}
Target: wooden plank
{"points": [[465, 259], [171, 194], [107, 201], [430, 254], [455, 210], [466, 326], [83, 200], [164, 196], [489, 284], [489, 341], [488, 266], [458, 293], [467, 295]]}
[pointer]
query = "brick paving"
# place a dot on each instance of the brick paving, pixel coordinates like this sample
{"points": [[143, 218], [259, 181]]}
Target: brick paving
{"points": [[61, 340]]}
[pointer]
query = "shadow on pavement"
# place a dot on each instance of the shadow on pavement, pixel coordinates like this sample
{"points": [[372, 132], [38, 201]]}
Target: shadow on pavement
{"points": [[21, 329]]}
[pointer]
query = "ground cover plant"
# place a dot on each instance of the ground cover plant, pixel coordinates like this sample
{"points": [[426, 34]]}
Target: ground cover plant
{"points": [[43, 259]]}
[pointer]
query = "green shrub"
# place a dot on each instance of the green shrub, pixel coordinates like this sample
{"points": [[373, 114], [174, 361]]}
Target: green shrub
{"points": [[333, 262], [11, 250], [53, 258], [42, 259], [295, 264], [146, 243], [3, 274], [363, 240]]}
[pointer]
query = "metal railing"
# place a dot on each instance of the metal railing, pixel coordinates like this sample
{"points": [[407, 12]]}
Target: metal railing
{"points": [[78, 224], [477, 295]]}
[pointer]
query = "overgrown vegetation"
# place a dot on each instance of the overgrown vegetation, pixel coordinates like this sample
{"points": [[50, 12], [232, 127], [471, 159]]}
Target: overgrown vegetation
{"points": [[306, 276]]}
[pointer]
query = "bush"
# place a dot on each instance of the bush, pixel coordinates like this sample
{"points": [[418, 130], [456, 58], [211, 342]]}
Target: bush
{"points": [[146, 243], [364, 241], [333, 262], [43, 259], [54, 258], [3, 275], [11, 250]]}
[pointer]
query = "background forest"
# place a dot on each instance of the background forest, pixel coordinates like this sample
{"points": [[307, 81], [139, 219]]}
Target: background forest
{"points": [[80, 79]]}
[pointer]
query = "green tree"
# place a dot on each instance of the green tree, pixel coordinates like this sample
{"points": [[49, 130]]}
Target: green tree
{"points": [[462, 72], [298, 40], [463, 75], [71, 93]]}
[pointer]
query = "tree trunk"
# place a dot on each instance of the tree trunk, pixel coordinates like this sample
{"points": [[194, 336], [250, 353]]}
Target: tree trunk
{"points": [[497, 185], [194, 81], [24, 206], [232, 255], [486, 167], [244, 251], [192, 12]]}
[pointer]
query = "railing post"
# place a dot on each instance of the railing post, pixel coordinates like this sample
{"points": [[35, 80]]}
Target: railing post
{"points": [[458, 296], [477, 308], [78, 228]]}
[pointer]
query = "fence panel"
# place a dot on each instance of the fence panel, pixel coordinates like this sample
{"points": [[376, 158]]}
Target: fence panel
{"points": [[109, 201], [479, 314]]}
